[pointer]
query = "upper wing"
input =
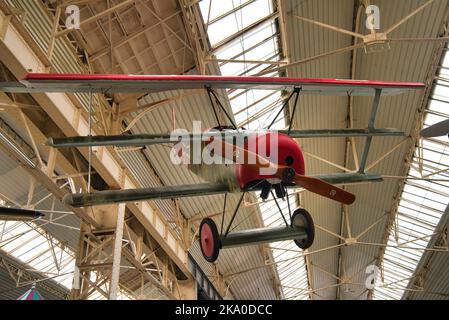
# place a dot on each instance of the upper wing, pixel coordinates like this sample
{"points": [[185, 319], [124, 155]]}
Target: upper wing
{"points": [[46, 82]]}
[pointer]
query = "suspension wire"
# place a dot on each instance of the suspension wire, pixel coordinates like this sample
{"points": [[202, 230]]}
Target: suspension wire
{"points": [[242, 44], [282, 108], [280, 211], [271, 106], [288, 204], [224, 110], [90, 147], [248, 215], [224, 210]]}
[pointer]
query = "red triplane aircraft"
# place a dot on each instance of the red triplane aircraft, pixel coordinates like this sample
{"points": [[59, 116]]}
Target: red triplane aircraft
{"points": [[287, 169]]}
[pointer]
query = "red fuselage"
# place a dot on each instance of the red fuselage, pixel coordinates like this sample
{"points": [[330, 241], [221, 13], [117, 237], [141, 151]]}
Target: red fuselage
{"points": [[240, 176]]}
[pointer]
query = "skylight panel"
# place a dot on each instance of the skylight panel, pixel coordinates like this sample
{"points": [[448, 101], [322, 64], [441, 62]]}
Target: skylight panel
{"points": [[249, 41], [237, 20], [423, 202], [33, 249], [213, 9], [27, 243]]}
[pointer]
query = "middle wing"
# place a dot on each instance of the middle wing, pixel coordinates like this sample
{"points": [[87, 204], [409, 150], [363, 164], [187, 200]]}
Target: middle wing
{"points": [[192, 190], [159, 138]]}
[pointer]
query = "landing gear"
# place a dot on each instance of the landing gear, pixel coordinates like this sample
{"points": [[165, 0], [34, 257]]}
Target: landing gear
{"points": [[301, 230], [302, 218], [209, 240]]}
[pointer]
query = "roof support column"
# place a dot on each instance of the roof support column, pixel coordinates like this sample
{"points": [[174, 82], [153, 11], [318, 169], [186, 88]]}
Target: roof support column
{"points": [[116, 259]]}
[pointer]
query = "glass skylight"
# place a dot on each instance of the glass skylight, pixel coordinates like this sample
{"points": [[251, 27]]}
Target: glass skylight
{"points": [[423, 202], [31, 245]]}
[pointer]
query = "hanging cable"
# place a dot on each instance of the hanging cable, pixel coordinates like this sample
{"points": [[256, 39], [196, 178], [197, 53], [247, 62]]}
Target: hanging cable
{"points": [[90, 147], [224, 211], [288, 204], [281, 109]]}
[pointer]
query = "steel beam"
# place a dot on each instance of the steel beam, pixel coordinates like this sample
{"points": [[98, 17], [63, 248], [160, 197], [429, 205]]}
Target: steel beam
{"points": [[96, 17], [133, 35], [39, 174], [117, 252]]}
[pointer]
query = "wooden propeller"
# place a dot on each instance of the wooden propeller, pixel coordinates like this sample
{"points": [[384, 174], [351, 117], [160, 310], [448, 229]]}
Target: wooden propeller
{"points": [[284, 173]]}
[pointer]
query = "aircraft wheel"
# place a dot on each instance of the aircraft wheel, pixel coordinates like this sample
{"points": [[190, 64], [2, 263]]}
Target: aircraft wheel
{"points": [[209, 240], [302, 218]]}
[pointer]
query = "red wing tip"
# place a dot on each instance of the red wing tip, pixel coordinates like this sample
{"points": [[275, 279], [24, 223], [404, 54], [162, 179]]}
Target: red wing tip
{"points": [[256, 79]]}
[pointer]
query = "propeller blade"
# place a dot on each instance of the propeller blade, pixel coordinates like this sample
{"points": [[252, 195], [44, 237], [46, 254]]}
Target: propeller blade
{"points": [[436, 130], [324, 189], [312, 184]]}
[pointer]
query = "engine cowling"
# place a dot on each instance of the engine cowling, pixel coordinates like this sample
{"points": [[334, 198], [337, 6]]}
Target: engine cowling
{"points": [[288, 154]]}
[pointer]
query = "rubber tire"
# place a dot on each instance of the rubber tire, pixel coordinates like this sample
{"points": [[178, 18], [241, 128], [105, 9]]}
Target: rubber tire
{"points": [[216, 239], [308, 221]]}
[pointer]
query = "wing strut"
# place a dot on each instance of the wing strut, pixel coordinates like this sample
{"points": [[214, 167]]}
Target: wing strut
{"points": [[296, 91]]}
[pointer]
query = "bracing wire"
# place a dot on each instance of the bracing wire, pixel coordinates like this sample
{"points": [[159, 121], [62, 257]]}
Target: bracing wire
{"points": [[90, 147]]}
